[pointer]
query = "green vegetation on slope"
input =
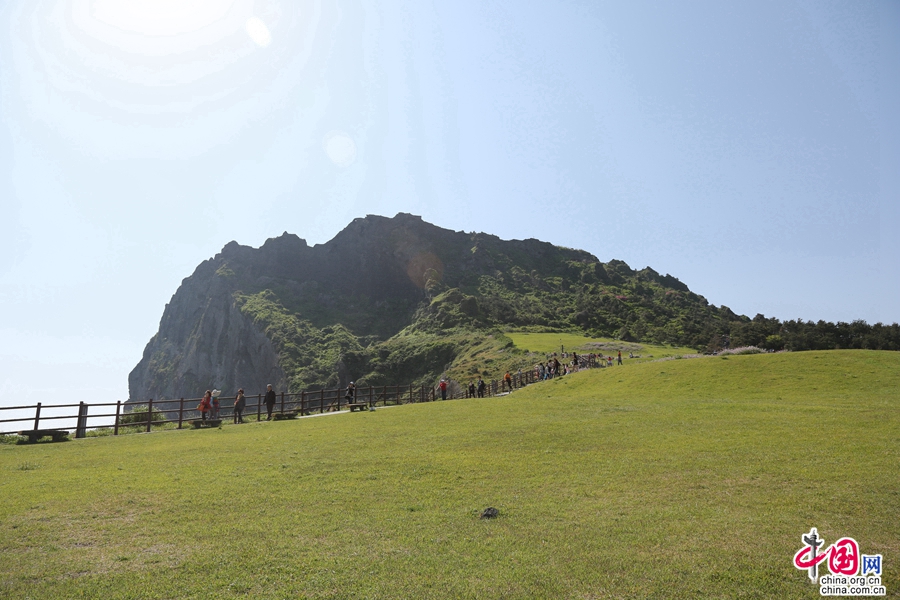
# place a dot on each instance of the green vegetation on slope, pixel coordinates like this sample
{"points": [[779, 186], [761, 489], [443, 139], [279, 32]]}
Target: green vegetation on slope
{"points": [[308, 354], [673, 479]]}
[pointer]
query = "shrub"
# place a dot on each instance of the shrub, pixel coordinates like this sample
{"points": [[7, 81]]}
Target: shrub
{"points": [[774, 342], [742, 350], [101, 432]]}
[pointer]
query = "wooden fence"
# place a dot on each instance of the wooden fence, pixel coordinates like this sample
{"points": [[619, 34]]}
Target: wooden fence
{"points": [[184, 410], [164, 412]]}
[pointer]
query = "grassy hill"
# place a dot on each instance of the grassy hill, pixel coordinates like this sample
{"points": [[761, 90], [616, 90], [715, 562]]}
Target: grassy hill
{"points": [[671, 479]]}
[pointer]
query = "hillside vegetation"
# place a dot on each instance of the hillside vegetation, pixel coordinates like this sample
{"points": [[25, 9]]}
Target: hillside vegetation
{"points": [[673, 479]]}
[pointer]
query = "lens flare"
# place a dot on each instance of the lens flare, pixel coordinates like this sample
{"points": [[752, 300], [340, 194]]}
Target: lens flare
{"points": [[340, 148], [258, 32]]}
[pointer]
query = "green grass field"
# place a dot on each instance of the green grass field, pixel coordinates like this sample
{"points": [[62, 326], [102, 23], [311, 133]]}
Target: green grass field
{"points": [[676, 479]]}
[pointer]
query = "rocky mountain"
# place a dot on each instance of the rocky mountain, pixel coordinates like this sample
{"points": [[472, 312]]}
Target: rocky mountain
{"points": [[399, 300]]}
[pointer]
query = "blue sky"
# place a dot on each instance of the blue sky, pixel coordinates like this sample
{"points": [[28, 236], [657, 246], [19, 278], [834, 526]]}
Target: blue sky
{"points": [[748, 148]]}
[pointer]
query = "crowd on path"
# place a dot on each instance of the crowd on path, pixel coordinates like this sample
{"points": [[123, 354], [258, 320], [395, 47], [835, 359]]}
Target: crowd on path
{"points": [[578, 362]]}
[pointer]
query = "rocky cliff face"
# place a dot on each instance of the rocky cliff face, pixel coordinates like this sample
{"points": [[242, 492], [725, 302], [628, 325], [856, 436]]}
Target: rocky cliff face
{"points": [[205, 342], [361, 279]]}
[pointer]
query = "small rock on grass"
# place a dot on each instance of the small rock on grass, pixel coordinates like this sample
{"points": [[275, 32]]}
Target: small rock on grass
{"points": [[490, 513]]}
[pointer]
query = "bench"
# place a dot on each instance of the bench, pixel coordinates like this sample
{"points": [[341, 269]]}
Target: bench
{"points": [[358, 406], [33, 435], [200, 423], [290, 414]]}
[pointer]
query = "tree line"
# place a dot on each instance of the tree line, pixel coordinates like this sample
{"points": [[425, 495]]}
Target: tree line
{"points": [[796, 335]]}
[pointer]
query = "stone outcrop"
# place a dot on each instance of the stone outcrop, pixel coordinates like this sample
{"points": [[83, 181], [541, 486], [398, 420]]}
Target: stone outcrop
{"points": [[205, 342]]}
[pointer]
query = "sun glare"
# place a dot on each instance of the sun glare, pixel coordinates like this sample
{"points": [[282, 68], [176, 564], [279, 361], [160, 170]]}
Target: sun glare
{"points": [[258, 32], [126, 77], [160, 17]]}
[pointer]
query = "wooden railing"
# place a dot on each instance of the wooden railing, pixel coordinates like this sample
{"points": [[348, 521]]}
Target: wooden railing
{"points": [[184, 410], [156, 413]]}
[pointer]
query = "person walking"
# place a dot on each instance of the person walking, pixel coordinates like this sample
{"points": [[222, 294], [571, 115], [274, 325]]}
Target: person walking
{"points": [[239, 403], [481, 387], [620, 357], [270, 402], [443, 387], [350, 395]]}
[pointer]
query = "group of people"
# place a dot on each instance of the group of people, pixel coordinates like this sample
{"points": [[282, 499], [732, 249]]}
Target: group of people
{"points": [[477, 389], [209, 405], [554, 368], [551, 369]]}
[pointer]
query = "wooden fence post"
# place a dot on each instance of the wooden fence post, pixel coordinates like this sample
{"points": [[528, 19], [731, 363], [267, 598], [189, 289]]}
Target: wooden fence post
{"points": [[37, 417], [180, 413], [149, 413], [81, 423], [302, 403], [118, 412], [282, 402], [322, 401], [258, 407]]}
